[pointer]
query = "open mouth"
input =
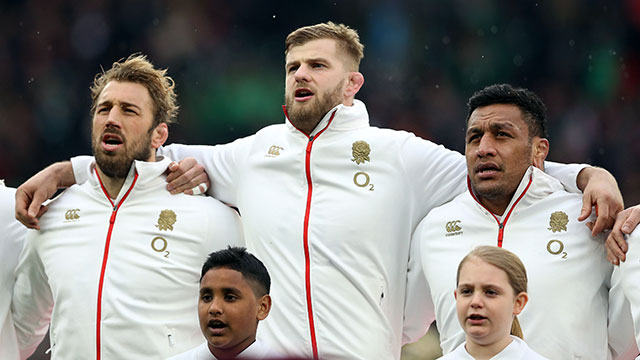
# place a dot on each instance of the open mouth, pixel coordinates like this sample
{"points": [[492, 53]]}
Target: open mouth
{"points": [[216, 327], [487, 169], [111, 141], [476, 319], [303, 94]]}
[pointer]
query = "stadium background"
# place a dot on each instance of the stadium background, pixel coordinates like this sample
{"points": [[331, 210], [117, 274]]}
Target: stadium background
{"points": [[423, 59]]}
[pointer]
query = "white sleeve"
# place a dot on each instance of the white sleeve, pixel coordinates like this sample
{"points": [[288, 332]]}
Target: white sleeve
{"points": [[32, 301], [622, 344], [221, 162], [566, 173], [628, 278], [419, 311], [225, 228], [12, 234], [82, 166], [436, 174]]}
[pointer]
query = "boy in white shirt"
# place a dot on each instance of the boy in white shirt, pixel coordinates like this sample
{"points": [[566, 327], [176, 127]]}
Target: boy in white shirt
{"points": [[234, 297]]}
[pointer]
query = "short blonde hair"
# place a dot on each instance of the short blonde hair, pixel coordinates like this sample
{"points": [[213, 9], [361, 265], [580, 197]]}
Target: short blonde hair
{"points": [[508, 262], [137, 69], [347, 38]]}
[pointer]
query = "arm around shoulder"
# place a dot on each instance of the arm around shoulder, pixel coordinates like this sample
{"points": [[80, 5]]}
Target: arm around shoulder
{"points": [[34, 192]]}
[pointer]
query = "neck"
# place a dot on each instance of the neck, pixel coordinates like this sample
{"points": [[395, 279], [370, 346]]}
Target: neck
{"points": [[111, 184], [231, 353], [307, 126], [482, 352], [496, 206]]}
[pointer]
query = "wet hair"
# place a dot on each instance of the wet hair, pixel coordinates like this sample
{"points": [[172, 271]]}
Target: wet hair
{"points": [[137, 69], [239, 259], [534, 112], [347, 38], [508, 262]]}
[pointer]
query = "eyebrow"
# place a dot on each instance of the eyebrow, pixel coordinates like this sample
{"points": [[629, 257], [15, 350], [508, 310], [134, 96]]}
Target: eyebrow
{"points": [[484, 286], [316, 59], [122, 104], [493, 126], [205, 290]]}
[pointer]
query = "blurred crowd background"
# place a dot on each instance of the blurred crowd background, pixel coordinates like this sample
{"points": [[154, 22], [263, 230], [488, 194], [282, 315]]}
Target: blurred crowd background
{"points": [[423, 60]]}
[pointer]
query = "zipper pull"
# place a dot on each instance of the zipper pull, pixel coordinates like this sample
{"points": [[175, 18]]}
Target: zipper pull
{"points": [[310, 138], [113, 215]]}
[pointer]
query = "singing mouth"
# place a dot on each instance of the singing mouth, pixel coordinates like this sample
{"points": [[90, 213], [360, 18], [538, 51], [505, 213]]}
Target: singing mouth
{"points": [[216, 327], [216, 324], [303, 94], [487, 168], [111, 141]]}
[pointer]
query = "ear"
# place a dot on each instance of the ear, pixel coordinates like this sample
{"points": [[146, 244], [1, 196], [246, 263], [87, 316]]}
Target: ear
{"points": [[455, 294], [521, 301], [540, 150], [354, 83], [159, 135], [264, 306]]}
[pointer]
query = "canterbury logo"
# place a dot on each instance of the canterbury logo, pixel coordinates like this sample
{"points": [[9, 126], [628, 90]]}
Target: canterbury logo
{"points": [[452, 226], [274, 151], [72, 214]]}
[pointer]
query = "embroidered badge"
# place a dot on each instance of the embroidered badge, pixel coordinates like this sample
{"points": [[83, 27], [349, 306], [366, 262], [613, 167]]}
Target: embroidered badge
{"points": [[558, 221], [166, 220], [360, 151], [274, 151], [72, 215], [453, 228]]}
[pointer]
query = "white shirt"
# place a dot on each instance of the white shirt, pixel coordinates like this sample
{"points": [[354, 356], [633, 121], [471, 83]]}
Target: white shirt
{"points": [[627, 277], [516, 350], [567, 313], [119, 280], [257, 350], [11, 242], [331, 217]]}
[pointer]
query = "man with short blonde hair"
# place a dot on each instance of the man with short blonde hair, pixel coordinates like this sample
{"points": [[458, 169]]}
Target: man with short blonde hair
{"points": [[347, 40]]}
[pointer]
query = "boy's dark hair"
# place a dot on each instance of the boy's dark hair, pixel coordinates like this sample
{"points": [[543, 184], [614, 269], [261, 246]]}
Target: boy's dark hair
{"points": [[534, 112], [238, 259]]}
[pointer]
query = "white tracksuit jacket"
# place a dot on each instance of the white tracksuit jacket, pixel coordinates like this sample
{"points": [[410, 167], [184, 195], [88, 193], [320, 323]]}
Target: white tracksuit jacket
{"points": [[569, 276], [119, 278], [12, 235], [627, 277], [333, 227]]}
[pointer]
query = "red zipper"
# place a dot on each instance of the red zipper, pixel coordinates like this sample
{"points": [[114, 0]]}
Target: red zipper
{"points": [[305, 233], [501, 225], [112, 221]]}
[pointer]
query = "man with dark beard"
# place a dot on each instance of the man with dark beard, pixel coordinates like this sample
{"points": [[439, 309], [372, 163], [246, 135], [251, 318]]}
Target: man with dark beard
{"points": [[329, 204], [115, 265], [512, 203]]}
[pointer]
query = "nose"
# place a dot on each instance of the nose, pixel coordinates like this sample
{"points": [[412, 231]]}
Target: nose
{"points": [[486, 146], [476, 300], [113, 118], [302, 74], [215, 307]]}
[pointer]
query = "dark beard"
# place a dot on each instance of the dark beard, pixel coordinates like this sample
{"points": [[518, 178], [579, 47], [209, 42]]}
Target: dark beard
{"points": [[118, 166], [308, 117]]}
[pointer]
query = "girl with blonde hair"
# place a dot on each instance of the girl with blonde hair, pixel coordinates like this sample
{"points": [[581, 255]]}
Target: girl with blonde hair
{"points": [[491, 291]]}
